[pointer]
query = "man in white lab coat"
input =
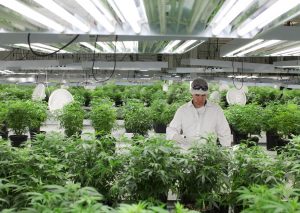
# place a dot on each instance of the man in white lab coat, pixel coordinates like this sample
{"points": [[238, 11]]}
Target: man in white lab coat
{"points": [[198, 118]]}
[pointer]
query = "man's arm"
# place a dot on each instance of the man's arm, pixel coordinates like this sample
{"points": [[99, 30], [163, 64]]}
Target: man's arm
{"points": [[175, 127]]}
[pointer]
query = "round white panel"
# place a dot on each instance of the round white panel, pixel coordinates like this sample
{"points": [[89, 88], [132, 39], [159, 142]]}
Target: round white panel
{"points": [[59, 98], [224, 87], [165, 87], [38, 93], [215, 96], [235, 96], [245, 89]]}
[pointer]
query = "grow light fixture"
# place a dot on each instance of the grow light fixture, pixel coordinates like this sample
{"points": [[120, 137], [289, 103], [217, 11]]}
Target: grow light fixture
{"points": [[127, 10], [62, 13], [184, 46], [230, 54], [48, 47], [131, 46], [41, 47], [96, 14], [31, 14], [230, 14], [2, 49], [105, 47], [271, 13], [259, 46], [222, 12], [91, 47], [288, 51], [103, 9], [170, 46]]}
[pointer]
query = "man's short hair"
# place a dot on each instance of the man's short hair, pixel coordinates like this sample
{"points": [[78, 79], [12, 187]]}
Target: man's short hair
{"points": [[199, 86]]}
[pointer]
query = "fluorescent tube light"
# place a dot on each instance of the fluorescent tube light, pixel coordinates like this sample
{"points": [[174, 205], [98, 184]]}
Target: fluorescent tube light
{"points": [[289, 50], [119, 46], [33, 47], [170, 46], [48, 47], [244, 47], [96, 14], [237, 8], [103, 9], [193, 46], [31, 14], [262, 45], [185, 45], [62, 13], [223, 10], [131, 46], [130, 13], [277, 9], [2, 49], [105, 47], [115, 8], [91, 47], [142, 6]]}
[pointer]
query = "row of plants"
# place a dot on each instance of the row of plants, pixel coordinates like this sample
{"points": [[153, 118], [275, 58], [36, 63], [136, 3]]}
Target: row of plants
{"points": [[177, 92], [279, 121], [206, 178]]}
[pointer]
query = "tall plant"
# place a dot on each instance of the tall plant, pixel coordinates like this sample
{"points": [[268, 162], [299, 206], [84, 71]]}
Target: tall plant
{"points": [[103, 118], [137, 118], [71, 118], [18, 116], [205, 175], [151, 169]]}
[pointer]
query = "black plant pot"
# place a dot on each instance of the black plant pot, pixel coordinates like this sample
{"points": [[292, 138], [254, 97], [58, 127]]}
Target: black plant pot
{"points": [[3, 131], [237, 136], [17, 140], [118, 103], [159, 128], [274, 141]]}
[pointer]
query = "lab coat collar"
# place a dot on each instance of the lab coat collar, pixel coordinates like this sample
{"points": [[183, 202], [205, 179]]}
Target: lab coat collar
{"points": [[207, 104]]}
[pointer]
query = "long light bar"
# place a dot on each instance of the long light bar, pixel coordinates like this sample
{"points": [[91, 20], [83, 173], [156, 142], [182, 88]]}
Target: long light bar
{"points": [[170, 46], [185, 45], [223, 10], [62, 13], [119, 45], [105, 47], [243, 47], [262, 45], [102, 8], [93, 11], [286, 51], [115, 8], [131, 46], [31, 14], [33, 47], [48, 47], [2, 49], [130, 13], [237, 8], [192, 47], [277, 9], [91, 47]]}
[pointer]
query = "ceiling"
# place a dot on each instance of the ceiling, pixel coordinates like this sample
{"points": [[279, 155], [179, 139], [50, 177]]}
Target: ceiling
{"points": [[103, 39]]}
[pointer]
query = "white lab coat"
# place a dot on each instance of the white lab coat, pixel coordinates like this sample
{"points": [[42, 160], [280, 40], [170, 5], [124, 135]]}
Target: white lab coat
{"points": [[194, 126]]}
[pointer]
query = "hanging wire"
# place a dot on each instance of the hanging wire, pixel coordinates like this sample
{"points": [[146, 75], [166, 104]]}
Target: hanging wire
{"points": [[233, 79], [49, 54], [115, 61]]}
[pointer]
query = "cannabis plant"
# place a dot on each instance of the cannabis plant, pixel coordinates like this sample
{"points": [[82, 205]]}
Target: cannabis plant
{"points": [[151, 170]]}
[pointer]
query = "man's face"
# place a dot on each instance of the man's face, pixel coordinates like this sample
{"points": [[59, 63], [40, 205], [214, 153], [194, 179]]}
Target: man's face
{"points": [[199, 100]]}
